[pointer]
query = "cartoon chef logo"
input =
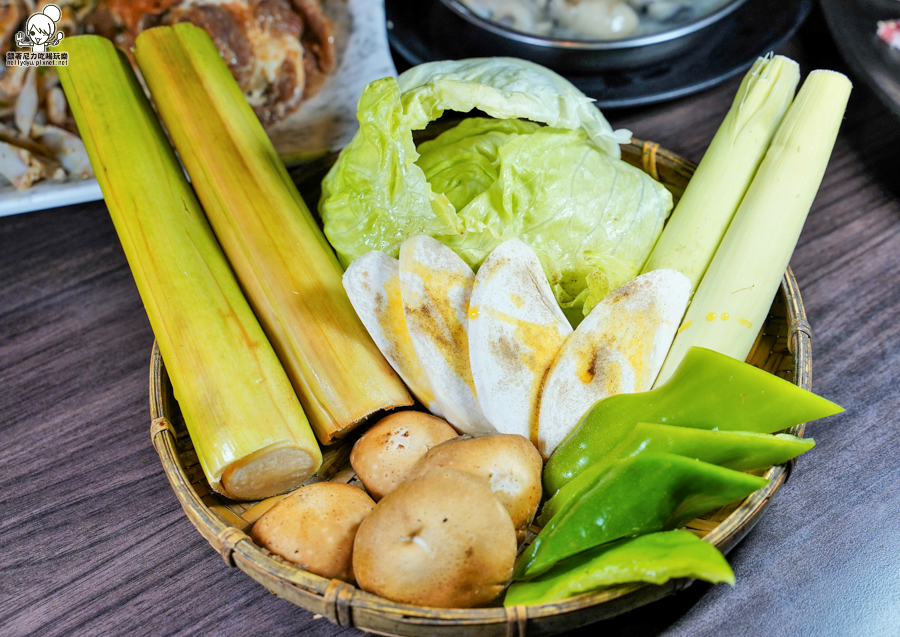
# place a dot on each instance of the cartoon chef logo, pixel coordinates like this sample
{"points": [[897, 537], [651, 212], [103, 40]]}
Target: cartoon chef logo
{"points": [[40, 33], [40, 30]]}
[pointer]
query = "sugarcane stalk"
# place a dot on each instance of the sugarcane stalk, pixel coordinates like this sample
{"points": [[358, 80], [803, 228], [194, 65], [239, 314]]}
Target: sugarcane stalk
{"points": [[245, 421], [280, 255]]}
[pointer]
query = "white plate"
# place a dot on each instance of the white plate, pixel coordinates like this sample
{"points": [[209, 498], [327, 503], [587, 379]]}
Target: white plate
{"points": [[47, 194], [324, 123]]}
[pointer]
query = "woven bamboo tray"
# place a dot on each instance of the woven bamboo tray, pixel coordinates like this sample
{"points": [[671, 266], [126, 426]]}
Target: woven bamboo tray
{"points": [[782, 348]]}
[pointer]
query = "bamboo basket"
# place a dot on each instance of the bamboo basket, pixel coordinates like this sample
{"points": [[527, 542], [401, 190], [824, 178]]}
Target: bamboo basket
{"points": [[782, 348]]}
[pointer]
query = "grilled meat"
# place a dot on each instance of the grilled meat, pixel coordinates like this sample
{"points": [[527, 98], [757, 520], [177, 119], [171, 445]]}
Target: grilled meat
{"points": [[279, 51]]}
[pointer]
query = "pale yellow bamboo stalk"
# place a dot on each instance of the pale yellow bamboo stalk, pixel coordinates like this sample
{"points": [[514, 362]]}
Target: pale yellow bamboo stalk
{"points": [[736, 293], [714, 193], [246, 424], [280, 255]]}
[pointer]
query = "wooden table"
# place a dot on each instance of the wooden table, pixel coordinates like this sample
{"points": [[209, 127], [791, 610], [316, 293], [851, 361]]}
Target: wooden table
{"points": [[93, 540]]}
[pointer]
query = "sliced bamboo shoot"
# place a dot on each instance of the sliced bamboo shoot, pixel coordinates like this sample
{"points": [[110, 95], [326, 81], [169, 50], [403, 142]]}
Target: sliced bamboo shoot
{"points": [[617, 349], [373, 284], [436, 285], [516, 329]]}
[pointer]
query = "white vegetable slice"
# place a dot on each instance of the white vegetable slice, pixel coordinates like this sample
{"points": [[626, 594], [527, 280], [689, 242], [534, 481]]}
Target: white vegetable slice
{"points": [[56, 106], [436, 285], [19, 166], [22, 168], [27, 104], [67, 149], [516, 329], [372, 283], [619, 348], [12, 81]]}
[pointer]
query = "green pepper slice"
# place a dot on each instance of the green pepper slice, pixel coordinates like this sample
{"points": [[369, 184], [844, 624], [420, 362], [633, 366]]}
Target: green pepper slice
{"points": [[738, 450], [708, 391], [655, 558], [642, 494]]}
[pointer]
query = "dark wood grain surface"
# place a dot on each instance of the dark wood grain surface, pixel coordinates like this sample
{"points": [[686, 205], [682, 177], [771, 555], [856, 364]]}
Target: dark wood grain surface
{"points": [[92, 541]]}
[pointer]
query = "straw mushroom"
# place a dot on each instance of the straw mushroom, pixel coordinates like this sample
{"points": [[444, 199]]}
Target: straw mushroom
{"points": [[441, 539], [386, 453], [508, 463], [315, 526]]}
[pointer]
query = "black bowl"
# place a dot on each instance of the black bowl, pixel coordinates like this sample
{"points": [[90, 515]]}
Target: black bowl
{"points": [[852, 23], [474, 36]]}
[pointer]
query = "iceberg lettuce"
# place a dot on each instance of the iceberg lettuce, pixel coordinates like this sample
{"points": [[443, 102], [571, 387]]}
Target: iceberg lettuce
{"points": [[463, 162], [504, 88], [561, 187]]}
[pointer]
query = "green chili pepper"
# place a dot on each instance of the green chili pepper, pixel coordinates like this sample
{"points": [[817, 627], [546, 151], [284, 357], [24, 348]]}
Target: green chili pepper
{"points": [[643, 494], [738, 450], [708, 391], [654, 558]]}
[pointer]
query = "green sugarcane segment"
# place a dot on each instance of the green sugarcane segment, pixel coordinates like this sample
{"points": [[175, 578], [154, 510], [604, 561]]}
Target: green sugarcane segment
{"points": [[708, 391], [734, 297], [717, 187], [738, 450], [281, 257], [237, 402], [655, 558], [643, 494]]}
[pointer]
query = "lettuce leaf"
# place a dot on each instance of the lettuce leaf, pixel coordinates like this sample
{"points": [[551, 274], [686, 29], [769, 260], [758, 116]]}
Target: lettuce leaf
{"points": [[463, 162], [375, 196], [504, 88], [591, 218], [586, 215]]}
